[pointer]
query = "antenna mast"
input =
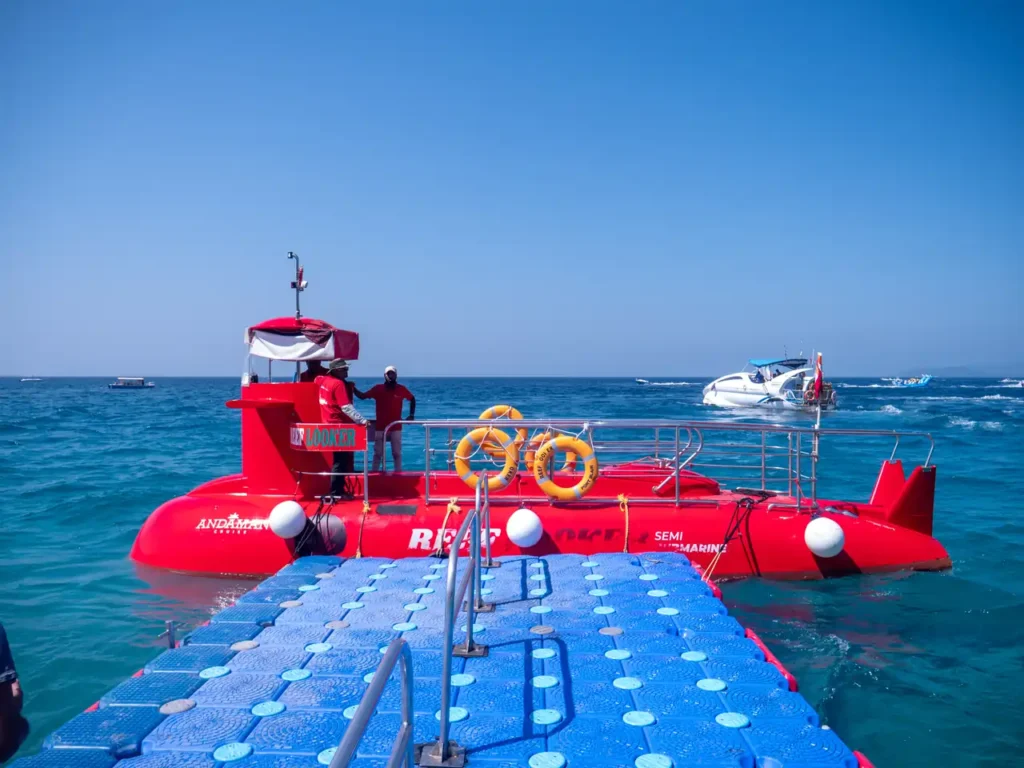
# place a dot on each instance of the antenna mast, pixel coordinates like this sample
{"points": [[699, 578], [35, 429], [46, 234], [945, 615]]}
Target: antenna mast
{"points": [[298, 284]]}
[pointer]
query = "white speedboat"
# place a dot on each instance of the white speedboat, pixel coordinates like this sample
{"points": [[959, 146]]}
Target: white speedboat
{"points": [[779, 382]]}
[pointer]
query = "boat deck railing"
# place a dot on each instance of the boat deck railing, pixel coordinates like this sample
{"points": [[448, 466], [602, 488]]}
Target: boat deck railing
{"points": [[776, 459], [402, 751]]}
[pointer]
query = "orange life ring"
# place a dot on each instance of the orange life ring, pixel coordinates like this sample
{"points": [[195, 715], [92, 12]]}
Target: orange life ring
{"points": [[534, 445], [510, 412]]}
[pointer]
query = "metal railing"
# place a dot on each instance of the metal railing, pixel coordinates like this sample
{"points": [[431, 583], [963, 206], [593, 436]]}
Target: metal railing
{"points": [[778, 459], [445, 752], [402, 751]]}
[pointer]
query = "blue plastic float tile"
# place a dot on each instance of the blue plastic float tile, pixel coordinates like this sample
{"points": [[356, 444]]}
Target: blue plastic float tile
{"points": [[287, 582], [269, 596], [222, 634], [376, 617], [805, 746], [270, 660], [239, 689], [490, 737], [277, 761], [299, 635], [768, 703], [116, 730], [169, 760], [643, 622], [353, 662], [152, 689], [581, 642], [589, 667], [688, 701], [199, 730], [248, 613], [323, 693], [299, 731], [65, 758], [312, 613], [380, 734], [313, 564], [700, 742], [487, 696], [427, 662], [745, 671], [504, 666], [689, 623], [190, 658], [660, 643], [664, 669], [353, 637], [600, 698], [583, 737], [426, 695], [717, 646]]}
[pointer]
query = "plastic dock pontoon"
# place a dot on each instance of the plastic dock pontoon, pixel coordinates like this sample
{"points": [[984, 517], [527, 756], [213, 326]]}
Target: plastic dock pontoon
{"points": [[616, 660]]}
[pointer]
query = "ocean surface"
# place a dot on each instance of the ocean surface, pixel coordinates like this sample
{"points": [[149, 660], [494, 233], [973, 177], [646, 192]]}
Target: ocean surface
{"points": [[914, 669]]}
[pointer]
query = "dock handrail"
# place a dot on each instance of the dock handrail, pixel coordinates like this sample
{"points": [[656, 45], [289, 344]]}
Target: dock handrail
{"points": [[402, 751], [444, 752]]}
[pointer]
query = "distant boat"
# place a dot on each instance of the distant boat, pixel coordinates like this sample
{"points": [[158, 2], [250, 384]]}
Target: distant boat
{"points": [[642, 381], [131, 382], [910, 383], [31, 378]]}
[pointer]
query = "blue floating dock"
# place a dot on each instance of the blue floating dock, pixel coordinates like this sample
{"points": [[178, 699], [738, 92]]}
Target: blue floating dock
{"points": [[615, 660]]}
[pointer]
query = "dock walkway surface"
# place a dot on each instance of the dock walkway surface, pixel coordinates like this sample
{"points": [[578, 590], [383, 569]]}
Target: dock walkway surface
{"points": [[614, 660]]}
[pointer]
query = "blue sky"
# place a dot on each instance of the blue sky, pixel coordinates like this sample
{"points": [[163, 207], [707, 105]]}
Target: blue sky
{"points": [[588, 188]]}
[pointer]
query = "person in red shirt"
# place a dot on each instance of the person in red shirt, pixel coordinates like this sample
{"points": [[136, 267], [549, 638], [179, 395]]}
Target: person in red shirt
{"points": [[336, 408], [389, 397]]}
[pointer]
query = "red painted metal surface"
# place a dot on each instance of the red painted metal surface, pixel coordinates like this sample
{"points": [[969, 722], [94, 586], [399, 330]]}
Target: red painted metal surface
{"points": [[222, 526]]}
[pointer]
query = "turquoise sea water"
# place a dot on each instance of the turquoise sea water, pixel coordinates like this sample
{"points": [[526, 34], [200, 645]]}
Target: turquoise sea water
{"points": [[913, 669]]}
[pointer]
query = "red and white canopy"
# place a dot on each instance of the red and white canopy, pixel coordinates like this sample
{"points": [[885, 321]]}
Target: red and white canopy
{"points": [[285, 338]]}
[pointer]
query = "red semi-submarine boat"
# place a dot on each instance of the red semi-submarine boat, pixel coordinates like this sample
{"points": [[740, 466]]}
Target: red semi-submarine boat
{"points": [[739, 499]]}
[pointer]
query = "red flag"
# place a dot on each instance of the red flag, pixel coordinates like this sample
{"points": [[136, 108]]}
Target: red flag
{"points": [[817, 378]]}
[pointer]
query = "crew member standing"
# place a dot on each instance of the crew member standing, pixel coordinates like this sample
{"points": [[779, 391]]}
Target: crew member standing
{"points": [[336, 408], [389, 397]]}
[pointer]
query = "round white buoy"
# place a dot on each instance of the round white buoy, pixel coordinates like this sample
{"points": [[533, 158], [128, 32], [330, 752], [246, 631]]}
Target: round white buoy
{"points": [[824, 537], [287, 519], [524, 528]]}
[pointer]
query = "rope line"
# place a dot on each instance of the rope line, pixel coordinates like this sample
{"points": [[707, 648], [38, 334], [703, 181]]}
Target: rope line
{"points": [[362, 520], [453, 508], [624, 508], [740, 515]]}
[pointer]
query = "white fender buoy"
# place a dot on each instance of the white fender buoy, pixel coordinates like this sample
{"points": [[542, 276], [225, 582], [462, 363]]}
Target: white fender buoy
{"points": [[524, 528], [824, 537], [287, 519]]}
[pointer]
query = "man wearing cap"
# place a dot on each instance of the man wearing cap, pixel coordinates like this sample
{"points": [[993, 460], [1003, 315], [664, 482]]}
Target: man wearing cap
{"points": [[389, 397], [336, 408]]}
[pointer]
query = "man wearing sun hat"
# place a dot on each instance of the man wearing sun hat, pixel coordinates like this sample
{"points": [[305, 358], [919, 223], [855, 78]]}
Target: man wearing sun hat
{"points": [[336, 408], [389, 397]]}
